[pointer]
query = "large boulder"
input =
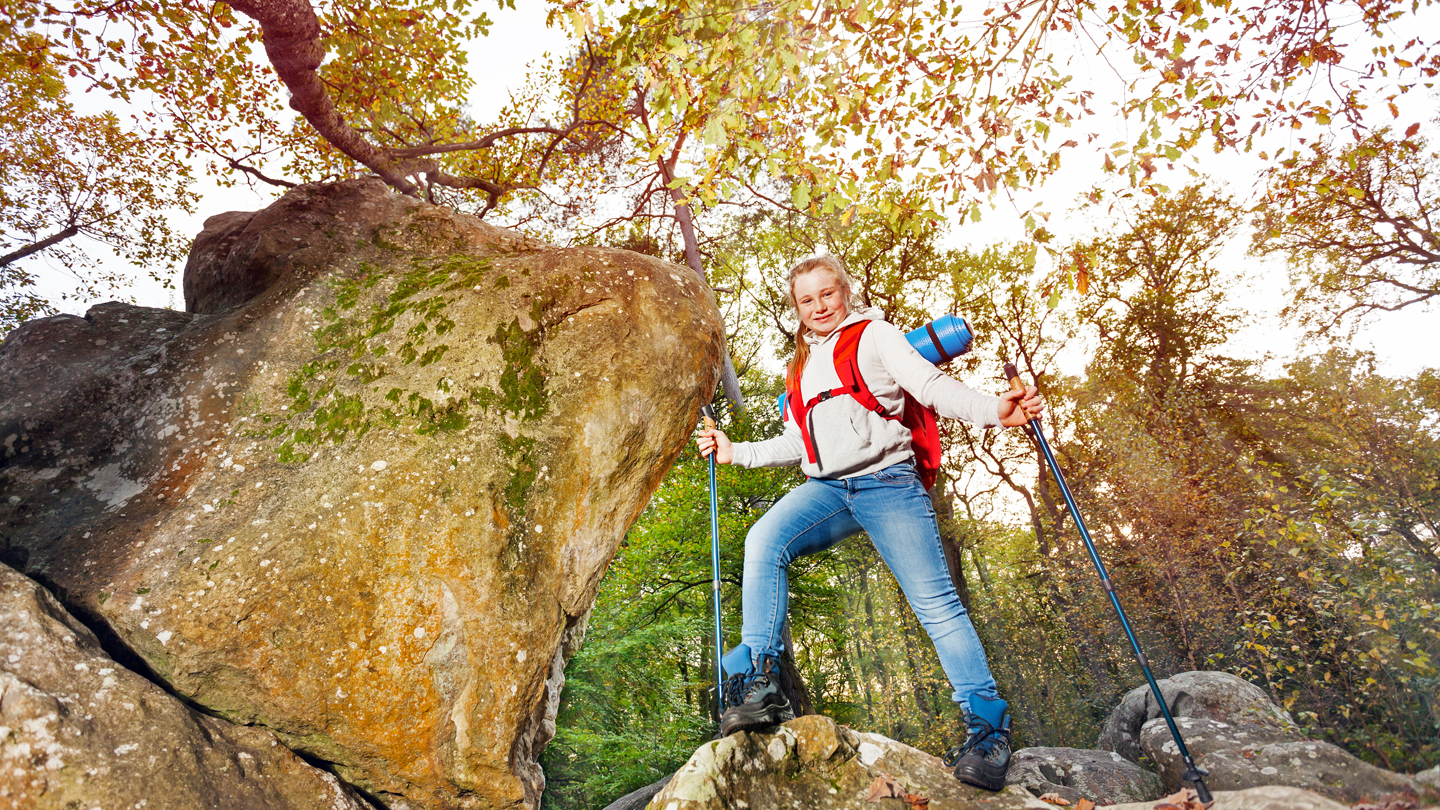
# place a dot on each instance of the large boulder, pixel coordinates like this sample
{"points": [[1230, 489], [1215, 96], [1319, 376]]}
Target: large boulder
{"points": [[1203, 695], [1246, 755], [1103, 777], [364, 494], [813, 762], [1204, 736], [1429, 777], [79, 730]]}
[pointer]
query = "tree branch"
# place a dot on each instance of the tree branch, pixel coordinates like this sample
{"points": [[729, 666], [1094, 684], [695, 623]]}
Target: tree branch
{"points": [[484, 143], [36, 247], [291, 33], [259, 175]]}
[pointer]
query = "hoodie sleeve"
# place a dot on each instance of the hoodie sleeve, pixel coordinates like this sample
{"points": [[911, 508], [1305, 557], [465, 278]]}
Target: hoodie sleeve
{"points": [[933, 387], [785, 450]]}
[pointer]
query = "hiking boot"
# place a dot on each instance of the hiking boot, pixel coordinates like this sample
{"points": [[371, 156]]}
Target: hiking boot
{"points": [[756, 699], [984, 758]]}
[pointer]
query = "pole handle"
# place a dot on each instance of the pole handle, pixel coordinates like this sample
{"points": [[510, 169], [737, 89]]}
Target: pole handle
{"points": [[1013, 377], [709, 415]]}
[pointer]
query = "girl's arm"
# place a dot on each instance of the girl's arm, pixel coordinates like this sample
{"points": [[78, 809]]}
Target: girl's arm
{"points": [[934, 388], [784, 450]]}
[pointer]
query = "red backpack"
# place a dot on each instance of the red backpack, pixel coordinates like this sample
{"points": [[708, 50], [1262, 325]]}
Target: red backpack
{"points": [[924, 429]]}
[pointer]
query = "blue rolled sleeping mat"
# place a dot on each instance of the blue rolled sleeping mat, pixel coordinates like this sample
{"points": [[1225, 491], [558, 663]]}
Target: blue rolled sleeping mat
{"points": [[940, 341]]}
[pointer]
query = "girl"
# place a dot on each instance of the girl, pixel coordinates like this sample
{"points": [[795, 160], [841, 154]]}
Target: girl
{"points": [[862, 478]]}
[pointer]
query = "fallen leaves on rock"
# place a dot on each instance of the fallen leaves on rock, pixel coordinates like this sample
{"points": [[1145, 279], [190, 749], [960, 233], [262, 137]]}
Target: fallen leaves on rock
{"points": [[885, 787], [1391, 801], [1184, 799], [1054, 798], [1084, 804]]}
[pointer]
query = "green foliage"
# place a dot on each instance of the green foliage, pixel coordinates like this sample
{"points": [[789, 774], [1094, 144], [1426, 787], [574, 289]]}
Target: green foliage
{"points": [[629, 713], [846, 102], [1342, 621], [637, 700]]}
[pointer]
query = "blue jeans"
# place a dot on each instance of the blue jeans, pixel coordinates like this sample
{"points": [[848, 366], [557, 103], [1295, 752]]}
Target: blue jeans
{"points": [[892, 507]]}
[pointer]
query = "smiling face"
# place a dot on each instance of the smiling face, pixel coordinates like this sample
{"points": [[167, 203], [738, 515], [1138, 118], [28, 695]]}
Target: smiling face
{"points": [[821, 300]]}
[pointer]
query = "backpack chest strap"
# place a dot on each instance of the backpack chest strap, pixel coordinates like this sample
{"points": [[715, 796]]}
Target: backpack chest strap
{"points": [[847, 368]]}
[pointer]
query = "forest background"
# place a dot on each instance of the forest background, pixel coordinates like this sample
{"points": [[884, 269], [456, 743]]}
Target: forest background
{"points": [[1186, 221]]}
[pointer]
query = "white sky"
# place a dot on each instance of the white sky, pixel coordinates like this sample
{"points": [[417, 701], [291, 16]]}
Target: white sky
{"points": [[519, 37]]}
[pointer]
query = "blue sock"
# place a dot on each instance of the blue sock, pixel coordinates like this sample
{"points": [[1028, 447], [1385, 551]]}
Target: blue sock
{"points": [[738, 661], [989, 709]]}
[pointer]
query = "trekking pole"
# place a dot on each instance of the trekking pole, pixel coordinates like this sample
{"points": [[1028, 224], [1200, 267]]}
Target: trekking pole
{"points": [[709, 414], [1193, 773]]}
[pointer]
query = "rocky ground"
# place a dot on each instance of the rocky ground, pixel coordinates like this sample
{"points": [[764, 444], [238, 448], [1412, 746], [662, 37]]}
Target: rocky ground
{"points": [[1257, 757]]}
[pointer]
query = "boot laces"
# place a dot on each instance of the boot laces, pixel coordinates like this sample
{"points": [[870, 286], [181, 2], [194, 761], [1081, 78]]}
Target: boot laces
{"points": [[734, 686], [983, 739], [740, 687]]}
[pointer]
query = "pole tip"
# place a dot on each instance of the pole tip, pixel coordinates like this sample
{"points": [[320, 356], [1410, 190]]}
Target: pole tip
{"points": [[1195, 775]]}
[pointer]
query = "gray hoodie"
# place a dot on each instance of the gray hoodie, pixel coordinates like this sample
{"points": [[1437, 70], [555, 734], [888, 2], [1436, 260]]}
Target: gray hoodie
{"points": [[850, 440]]}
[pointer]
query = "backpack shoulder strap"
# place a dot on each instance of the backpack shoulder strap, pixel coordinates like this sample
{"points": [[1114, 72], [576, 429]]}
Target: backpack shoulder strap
{"points": [[924, 427], [847, 366], [846, 345], [799, 410]]}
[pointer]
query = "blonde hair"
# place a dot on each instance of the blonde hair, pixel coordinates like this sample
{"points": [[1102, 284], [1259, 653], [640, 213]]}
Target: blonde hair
{"points": [[823, 261]]}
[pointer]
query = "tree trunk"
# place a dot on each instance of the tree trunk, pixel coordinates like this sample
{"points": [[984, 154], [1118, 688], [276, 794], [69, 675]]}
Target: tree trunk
{"points": [[728, 380], [800, 692], [685, 679], [945, 517], [861, 596], [877, 660], [914, 653]]}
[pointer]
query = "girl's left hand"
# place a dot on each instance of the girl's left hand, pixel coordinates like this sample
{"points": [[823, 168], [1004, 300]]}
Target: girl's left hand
{"points": [[1019, 407]]}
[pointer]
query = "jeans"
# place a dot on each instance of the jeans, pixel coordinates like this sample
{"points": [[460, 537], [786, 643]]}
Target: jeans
{"points": [[892, 507]]}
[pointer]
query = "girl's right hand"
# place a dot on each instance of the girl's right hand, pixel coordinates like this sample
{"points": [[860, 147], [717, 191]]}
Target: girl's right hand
{"points": [[715, 441]]}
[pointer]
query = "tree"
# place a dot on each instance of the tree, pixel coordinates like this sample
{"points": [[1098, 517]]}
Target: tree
{"points": [[1335, 562], [844, 100], [838, 102], [1358, 225], [1158, 300], [65, 175]]}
